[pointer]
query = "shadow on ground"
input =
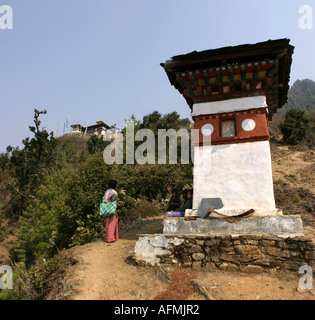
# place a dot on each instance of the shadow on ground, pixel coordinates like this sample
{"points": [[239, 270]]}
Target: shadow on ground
{"points": [[151, 226]]}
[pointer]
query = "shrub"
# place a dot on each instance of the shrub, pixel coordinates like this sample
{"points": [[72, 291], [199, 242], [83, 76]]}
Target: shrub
{"points": [[294, 127], [19, 291], [47, 276], [41, 223]]}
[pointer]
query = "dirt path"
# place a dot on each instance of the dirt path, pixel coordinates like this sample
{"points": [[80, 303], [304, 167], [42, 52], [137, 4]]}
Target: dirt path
{"points": [[273, 285], [103, 272]]}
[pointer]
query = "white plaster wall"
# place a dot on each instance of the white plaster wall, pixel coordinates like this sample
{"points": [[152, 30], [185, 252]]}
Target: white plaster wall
{"points": [[240, 174], [231, 105]]}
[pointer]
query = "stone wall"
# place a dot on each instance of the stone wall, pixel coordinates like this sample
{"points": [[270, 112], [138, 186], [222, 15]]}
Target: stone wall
{"points": [[228, 252]]}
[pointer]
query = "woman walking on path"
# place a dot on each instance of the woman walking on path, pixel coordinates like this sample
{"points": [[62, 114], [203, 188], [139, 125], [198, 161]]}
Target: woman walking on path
{"points": [[111, 222]]}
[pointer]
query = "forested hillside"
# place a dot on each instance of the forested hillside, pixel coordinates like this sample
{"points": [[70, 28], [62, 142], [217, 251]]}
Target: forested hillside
{"points": [[301, 96]]}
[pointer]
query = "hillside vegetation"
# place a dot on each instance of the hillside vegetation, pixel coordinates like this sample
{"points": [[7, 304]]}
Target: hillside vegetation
{"points": [[301, 96]]}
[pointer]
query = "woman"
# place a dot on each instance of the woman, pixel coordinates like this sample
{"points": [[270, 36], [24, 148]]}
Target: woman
{"points": [[188, 205], [175, 202], [111, 222]]}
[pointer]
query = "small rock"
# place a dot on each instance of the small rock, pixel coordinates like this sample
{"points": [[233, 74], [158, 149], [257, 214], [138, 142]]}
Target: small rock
{"points": [[198, 256], [200, 242], [211, 266], [232, 267], [195, 249]]}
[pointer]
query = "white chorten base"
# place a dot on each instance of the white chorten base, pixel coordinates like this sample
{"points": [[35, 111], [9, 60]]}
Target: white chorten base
{"points": [[240, 174]]}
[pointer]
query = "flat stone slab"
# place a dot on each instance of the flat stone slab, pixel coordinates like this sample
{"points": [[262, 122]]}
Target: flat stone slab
{"points": [[258, 213], [249, 225]]}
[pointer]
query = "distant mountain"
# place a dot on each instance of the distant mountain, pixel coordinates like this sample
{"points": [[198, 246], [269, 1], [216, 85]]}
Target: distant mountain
{"points": [[301, 96]]}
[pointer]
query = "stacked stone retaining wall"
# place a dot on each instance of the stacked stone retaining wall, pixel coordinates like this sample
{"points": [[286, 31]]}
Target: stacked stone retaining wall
{"points": [[229, 252]]}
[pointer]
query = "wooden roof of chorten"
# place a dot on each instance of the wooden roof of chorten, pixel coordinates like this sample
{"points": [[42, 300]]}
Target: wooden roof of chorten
{"points": [[233, 72]]}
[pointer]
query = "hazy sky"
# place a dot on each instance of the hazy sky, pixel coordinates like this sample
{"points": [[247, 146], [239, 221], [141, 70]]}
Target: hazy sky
{"points": [[100, 60]]}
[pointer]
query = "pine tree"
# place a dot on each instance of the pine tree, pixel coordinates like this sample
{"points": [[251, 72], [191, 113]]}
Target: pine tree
{"points": [[294, 127]]}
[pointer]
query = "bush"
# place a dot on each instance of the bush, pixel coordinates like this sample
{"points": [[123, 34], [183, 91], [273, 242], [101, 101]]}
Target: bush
{"points": [[39, 233], [19, 291], [47, 276], [294, 127]]}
